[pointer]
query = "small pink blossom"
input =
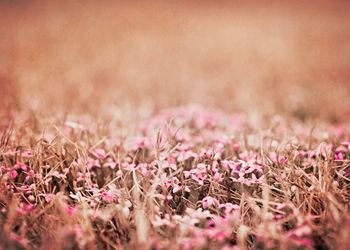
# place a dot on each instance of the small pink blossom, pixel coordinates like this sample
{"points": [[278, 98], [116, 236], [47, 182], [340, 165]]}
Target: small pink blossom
{"points": [[140, 143], [199, 178], [110, 164], [32, 175], [13, 174], [300, 154], [20, 165], [83, 176], [93, 163], [129, 166], [167, 164], [209, 201], [27, 154], [25, 208], [236, 147], [280, 159], [70, 210], [144, 168], [108, 197], [100, 154], [339, 156], [49, 197], [176, 189], [229, 207], [218, 177]]}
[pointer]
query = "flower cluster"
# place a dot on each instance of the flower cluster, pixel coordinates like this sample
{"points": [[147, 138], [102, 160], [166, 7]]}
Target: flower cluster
{"points": [[188, 178]]}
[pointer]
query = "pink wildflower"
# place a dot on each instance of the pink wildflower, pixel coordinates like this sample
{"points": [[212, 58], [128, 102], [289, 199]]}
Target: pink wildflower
{"points": [[140, 143], [92, 163], [280, 159], [70, 210], [110, 164], [218, 177], [107, 197], [49, 197], [20, 165], [176, 189], [129, 166], [27, 154], [100, 154], [209, 201], [83, 176], [13, 174], [25, 208]]}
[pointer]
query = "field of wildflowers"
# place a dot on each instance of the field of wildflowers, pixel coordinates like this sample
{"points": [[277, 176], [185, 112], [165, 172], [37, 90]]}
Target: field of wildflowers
{"points": [[185, 178], [174, 125]]}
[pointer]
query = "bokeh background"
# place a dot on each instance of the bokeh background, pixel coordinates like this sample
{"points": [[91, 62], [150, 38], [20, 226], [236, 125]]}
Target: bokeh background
{"points": [[286, 57]]}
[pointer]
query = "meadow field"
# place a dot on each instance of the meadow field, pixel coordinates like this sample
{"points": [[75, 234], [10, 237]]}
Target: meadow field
{"points": [[174, 125]]}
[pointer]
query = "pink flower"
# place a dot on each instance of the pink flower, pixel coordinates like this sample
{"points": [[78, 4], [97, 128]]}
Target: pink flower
{"points": [[280, 159], [110, 164], [129, 166], [176, 189], [214, 167], [25, 208], [27, 154], [83, 176], [279, 216], [341, 149], [300, 231], [174, 181], [100, 154], [323, 149], [339, 156], [300, 154], [218, 177], [140, 143], [92, 163], [70, 210], [209, 201], [200, 178], [187, 174], [13, 174], [31, 198], [26, 189], [119, 173], [219, 235], [49, 197], [20, 165], [144, 169], [167, 164], [32, 174], [225, 164], [107, 197], [236, 147], [229, 207], [302, 242]]}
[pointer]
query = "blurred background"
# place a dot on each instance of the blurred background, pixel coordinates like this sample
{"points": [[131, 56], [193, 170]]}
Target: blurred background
{"points": [[287, 57]]}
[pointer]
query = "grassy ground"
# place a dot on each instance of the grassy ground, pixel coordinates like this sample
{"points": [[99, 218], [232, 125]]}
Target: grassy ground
{"points": [[101, 146], [187, 177]]}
